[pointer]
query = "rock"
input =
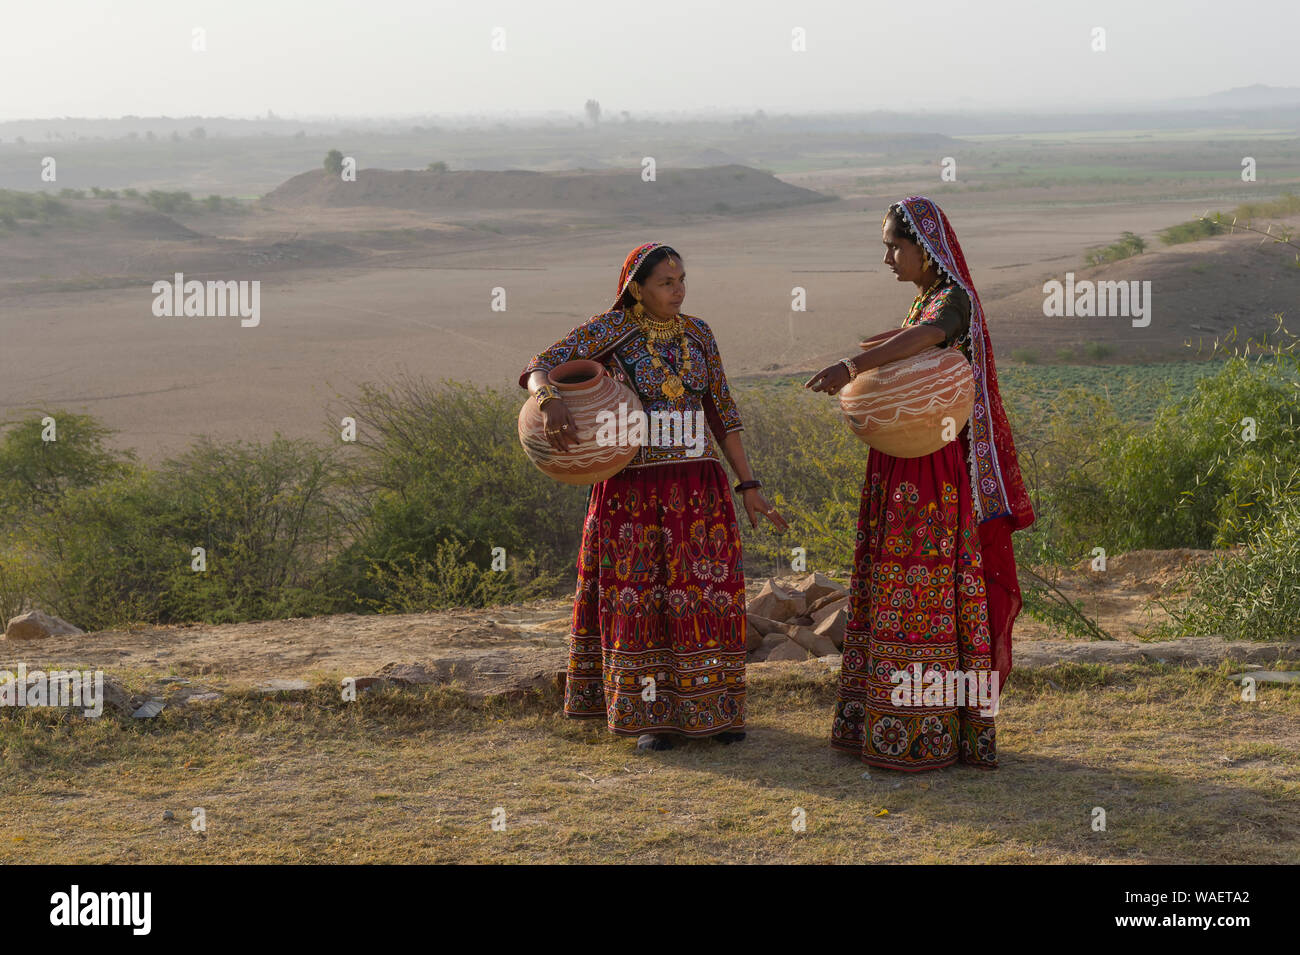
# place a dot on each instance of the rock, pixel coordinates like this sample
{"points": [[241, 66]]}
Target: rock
{"points": [[37, 625], [149, 709], [207, 697], [816, 586], [115, 697], [788, 650], [832, 627], [828, 609], [364, 683], [283, 686], [777, 603], [753, 636], [815, 643], [1268, 676], [803, 620], [169, 815], [409, 674], [764, 625], [770, 643]]}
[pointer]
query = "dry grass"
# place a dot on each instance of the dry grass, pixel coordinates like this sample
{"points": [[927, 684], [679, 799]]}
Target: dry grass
{"points": [[1185, 771]]}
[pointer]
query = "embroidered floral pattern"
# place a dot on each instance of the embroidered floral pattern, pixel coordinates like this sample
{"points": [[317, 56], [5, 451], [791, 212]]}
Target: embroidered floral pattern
{"points": [[661, 598], [917, 598]]}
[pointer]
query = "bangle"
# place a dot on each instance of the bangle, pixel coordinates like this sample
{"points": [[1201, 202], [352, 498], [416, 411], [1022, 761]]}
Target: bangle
{"points": [[853, 369], [545, 393], [747, 485]]}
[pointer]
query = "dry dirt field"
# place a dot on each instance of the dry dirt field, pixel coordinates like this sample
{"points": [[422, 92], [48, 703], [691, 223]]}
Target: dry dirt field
{"points": [[354, 293]]}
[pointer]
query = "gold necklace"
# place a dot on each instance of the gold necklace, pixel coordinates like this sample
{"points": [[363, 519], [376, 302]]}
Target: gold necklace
{"points": [[662, 331], [658, 329]]}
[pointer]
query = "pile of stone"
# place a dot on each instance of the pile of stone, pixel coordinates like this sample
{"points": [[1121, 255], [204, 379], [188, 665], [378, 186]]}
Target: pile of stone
{"points": [[797, 620]]}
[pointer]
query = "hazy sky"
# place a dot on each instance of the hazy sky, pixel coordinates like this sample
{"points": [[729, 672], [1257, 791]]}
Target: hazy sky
{"points": [[305, 58]]}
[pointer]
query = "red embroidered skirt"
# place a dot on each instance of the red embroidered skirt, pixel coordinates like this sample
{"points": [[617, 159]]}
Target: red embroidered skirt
{"points": [[658, 636], [917, 604]]}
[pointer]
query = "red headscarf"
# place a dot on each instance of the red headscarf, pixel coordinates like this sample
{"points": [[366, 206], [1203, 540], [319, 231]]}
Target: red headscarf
{"points": [[630, 264], [997, 488]]}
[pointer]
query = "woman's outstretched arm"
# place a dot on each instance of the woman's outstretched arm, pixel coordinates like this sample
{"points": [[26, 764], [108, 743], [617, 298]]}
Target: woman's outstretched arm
{"points": [[909, 341]]}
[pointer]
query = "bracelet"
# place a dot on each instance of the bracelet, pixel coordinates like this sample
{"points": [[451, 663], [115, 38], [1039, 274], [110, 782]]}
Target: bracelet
{"points": [[853, 369], [546, 393], [747, 485]]}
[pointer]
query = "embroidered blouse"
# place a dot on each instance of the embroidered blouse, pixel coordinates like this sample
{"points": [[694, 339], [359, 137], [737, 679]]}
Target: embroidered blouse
{"points": [[948, 309], [616, 341]]}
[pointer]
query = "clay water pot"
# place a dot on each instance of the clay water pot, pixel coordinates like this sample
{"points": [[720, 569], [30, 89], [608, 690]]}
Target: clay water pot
{"points": [[587, 390], [899, 408]]}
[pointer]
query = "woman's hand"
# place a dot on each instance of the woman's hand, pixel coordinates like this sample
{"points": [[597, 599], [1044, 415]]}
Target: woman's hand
{"points": [[756, 504], [560, 428], [830, 379]]}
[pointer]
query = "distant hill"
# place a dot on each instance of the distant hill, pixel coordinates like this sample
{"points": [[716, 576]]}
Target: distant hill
{"points": [[716, 189], [1257, 96]]}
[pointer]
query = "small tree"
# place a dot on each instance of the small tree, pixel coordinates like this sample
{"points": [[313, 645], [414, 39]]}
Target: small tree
{"points": [[438, 166], [334, 162], [593, 112]]}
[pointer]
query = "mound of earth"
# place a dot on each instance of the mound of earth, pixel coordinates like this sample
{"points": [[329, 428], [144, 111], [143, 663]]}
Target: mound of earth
{"points": [[716, 189], [1199, 292]]}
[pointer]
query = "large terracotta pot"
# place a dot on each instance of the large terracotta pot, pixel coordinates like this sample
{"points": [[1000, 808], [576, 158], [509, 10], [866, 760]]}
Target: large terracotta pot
{"points": [[587, 390], [899, 408]]}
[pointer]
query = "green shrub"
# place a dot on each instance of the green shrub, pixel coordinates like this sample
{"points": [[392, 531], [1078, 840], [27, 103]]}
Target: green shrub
{"points": [[451, 579], [1188, 479], [407, 518], [1191, 231], [170, 202], [1254, 595], [36, 474], [812, 467], [1129, 244]]}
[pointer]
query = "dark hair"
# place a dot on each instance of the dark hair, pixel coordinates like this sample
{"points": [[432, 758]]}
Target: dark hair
{"points": [[644, 269], [901, 227], [903, 230]]}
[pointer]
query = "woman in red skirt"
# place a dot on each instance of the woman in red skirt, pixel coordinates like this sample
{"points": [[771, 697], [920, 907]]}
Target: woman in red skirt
{"points": [[657, 645], [934, 593]]}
